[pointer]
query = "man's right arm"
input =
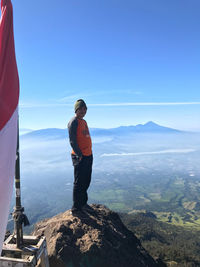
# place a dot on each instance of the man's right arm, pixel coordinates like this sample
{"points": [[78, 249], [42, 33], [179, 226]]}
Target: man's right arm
{"points": [[72, 129]]}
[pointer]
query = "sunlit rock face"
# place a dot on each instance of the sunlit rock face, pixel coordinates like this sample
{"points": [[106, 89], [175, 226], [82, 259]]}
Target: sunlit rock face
{"points": [[97, 238]]}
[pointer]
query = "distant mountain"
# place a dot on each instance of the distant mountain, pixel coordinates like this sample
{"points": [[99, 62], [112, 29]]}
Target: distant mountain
{"points": [[149, 127], [49, 133], [24, 131]]}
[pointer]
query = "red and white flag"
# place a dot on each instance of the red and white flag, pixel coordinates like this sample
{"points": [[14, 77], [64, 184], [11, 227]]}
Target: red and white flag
{"points": [[9, 96]]}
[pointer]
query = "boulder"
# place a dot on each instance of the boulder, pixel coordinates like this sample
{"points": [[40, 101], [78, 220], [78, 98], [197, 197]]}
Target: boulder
{"points": [[98, 238]]}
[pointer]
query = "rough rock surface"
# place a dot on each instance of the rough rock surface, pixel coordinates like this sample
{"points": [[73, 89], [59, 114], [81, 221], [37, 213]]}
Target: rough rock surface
{"points": [[99, 239]]}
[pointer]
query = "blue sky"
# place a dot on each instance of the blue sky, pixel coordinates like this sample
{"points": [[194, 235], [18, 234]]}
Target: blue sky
{"points": [[132, 61]]}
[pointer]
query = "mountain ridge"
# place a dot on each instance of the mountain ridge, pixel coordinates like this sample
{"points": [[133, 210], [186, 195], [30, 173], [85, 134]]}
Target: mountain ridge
{"points": [[149, 127]]}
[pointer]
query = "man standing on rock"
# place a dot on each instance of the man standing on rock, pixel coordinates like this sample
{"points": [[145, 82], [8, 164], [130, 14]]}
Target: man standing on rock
{"points": [[82, 157]]}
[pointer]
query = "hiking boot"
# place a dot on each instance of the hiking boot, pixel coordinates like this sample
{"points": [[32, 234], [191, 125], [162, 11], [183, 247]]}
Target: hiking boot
{"points": [[78, 213], [88, 208]]}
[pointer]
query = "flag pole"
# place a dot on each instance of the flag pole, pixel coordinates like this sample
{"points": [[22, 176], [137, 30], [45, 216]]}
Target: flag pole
{"points": [[18, 216]]}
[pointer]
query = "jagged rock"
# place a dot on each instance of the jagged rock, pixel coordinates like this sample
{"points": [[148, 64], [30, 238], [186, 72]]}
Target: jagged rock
{"points": [[99, 239]]}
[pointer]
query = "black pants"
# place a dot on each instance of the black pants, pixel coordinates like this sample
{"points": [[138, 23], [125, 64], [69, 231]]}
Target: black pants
{"points": [[82, 179]]}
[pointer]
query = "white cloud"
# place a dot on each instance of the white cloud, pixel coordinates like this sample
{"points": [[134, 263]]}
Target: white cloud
{"points": [[70, 98], [149, 153], [45, 105], [147, 104], [42, 105]]}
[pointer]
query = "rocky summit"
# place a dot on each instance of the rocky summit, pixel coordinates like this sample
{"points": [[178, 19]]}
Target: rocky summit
{"points": [[97, 238]]}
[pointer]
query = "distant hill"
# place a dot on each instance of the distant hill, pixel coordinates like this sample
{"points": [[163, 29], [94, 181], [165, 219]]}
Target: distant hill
{"points": [[149, 127], [24, 131], [175, 245], [49, 133]]}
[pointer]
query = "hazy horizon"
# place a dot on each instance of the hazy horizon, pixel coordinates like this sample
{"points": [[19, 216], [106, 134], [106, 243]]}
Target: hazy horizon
{"points": [[24, 130]]}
